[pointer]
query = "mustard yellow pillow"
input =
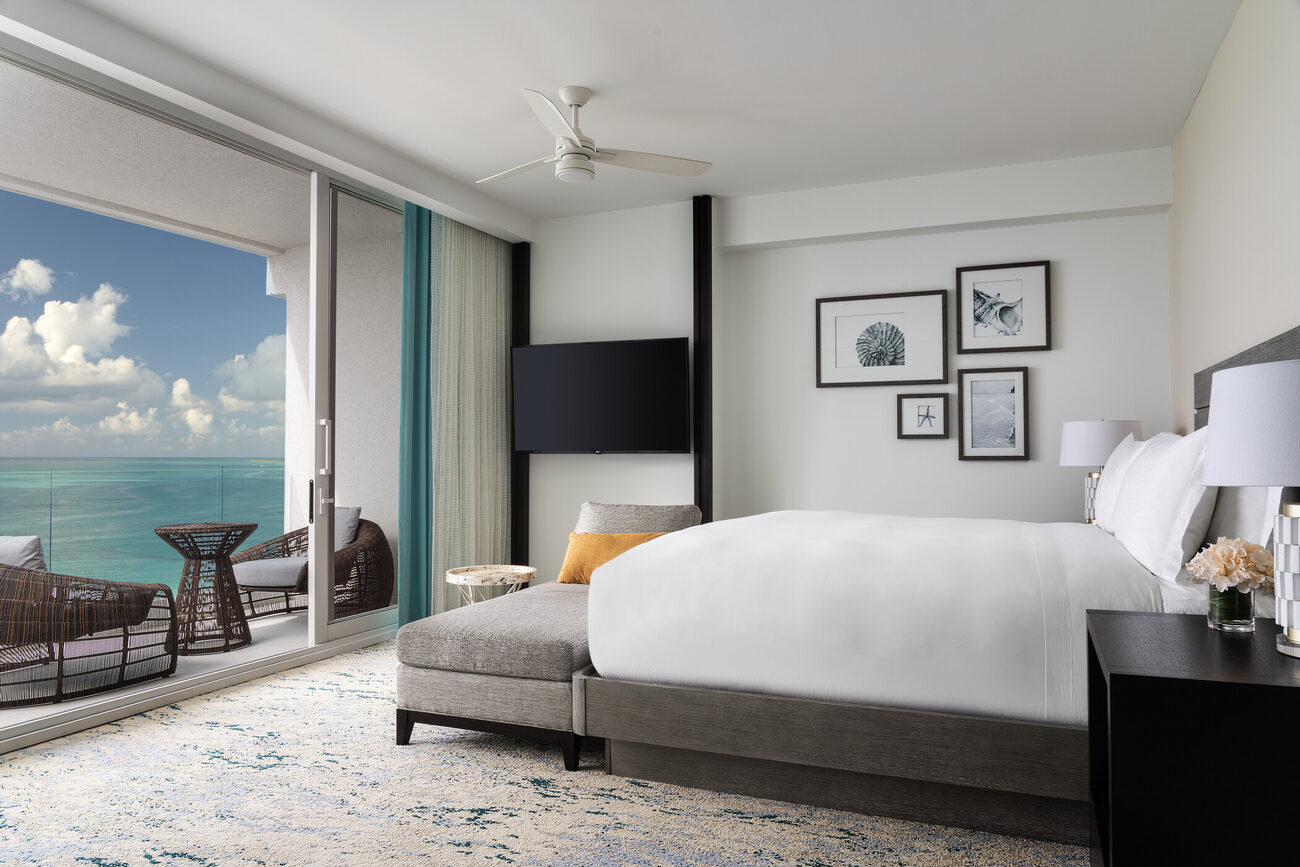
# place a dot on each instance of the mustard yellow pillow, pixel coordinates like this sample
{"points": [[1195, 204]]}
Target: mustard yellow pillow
{"points": [[588, 550]]}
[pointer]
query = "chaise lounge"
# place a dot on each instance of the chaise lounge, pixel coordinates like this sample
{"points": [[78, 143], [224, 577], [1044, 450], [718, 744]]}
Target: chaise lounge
{"points": [[64, 637]]}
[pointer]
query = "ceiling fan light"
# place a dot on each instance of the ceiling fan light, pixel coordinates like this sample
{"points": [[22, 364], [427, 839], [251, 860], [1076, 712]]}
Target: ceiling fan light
{"points": [[574, 168]]}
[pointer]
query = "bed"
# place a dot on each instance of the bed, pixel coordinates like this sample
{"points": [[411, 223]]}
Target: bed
{"points": [[972, 711]]}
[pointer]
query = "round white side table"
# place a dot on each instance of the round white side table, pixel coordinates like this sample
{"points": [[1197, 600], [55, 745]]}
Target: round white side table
{"points": [[473, 581]]}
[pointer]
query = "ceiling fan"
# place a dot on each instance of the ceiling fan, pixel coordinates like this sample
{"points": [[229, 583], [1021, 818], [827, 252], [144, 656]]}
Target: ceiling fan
{"points": [[576, 154]]}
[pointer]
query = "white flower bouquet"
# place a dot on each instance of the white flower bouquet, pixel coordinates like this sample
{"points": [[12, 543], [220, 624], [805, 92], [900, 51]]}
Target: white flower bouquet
{"points": [[1233, 563]]}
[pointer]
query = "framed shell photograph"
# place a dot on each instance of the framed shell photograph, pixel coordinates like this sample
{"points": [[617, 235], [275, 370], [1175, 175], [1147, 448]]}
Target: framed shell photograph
{"points": [[1004, 308], [895, 338], [993, 414], [923, 416]]}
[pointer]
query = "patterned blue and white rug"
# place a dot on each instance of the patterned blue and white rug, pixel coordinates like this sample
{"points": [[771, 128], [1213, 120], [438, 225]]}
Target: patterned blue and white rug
{"points": [[300, 768]]}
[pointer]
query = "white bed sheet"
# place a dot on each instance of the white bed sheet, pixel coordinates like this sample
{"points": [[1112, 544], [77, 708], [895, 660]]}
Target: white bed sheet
{"points": [[960, 615]]}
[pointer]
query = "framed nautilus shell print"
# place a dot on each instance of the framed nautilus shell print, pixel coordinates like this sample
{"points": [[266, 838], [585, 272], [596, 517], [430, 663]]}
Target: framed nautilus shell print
{"points": [[894, 338], [1004, 308]]}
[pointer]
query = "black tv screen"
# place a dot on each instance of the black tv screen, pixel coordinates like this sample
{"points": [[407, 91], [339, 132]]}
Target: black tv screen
{"points": [[618, 396]]}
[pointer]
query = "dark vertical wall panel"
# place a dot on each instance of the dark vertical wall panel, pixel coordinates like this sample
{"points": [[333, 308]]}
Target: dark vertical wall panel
{"points": [[520, 319], [702, 249]]}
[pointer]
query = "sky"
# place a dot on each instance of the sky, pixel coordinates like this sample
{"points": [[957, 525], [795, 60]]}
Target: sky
{"points": [[121, 340]]}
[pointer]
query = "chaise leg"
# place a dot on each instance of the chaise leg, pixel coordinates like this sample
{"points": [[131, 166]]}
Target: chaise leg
{"points": [[405, 725], [570, 746]]}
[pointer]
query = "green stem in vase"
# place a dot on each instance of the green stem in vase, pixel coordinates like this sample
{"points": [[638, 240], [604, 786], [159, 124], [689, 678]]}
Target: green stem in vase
{"points": [[1231, 605]]}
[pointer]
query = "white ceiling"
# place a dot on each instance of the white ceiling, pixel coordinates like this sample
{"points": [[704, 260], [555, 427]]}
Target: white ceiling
{"points": [[778, 95]]}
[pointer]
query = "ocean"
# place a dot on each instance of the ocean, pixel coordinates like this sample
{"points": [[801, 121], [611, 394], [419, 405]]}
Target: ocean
{"points": [[96, 516]]}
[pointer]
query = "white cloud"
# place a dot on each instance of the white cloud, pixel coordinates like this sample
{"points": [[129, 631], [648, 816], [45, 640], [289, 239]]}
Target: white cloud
{"points": [[50, 365], [28, 276], [89, 324], [192, 410], [255, 382], [131, 421]]}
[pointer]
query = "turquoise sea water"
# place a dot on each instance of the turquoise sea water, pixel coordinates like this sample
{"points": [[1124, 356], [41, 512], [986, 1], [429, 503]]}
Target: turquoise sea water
{"points": [[96, 517]]}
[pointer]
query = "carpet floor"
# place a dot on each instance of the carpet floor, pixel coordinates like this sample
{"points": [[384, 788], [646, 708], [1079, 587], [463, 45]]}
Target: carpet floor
{"points": [[300, 768]]}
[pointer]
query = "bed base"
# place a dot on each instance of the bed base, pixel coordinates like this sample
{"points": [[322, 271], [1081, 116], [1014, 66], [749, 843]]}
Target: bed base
{"points": [[1007, 776]]}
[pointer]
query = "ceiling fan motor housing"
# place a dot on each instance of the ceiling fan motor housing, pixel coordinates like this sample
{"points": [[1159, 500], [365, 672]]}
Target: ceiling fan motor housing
{"points": [[574, 166]]}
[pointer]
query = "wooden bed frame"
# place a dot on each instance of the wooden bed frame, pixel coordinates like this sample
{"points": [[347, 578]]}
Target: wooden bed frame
{"points": [[1008, 776]]}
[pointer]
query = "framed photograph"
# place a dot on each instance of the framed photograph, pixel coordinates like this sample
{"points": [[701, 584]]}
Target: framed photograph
{"points": [[993, 411], [1004, 308], [923, 416], [897, 338]]}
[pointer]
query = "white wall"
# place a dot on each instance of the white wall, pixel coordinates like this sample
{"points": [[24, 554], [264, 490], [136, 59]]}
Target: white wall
{"points": [[783, 443], [614, 276], [1235, 224]]}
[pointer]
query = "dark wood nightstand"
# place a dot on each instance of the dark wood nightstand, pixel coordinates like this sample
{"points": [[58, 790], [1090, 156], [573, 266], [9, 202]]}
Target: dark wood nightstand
{"points": [[1190, 760]]}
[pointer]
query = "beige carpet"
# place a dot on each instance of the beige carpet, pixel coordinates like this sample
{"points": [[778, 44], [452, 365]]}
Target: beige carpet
{"points": [[300, 768]]}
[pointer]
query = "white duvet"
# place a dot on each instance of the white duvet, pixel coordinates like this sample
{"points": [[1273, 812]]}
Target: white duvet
{"points": [[961, 615]]}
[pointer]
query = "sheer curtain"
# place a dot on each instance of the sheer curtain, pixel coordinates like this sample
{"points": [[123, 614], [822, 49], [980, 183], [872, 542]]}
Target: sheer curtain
{"points": [[470, 387]]}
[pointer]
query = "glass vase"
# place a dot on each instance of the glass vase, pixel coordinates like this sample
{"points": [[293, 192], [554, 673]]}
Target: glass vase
{"points": [[1232, 611]]}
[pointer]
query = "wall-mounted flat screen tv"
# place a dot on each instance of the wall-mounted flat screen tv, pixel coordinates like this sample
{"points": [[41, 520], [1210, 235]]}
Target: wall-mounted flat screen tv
{"points": [[617, 396]]}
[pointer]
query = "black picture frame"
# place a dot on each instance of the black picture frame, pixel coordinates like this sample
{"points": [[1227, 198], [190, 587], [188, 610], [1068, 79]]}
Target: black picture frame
{"points": [[940, 431], [967, 427], [1033, 307], [929, 338]]}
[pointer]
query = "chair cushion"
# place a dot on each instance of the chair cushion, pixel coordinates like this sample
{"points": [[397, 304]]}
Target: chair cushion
{"points": [[538, 633], [274, 573], [628, 518], [22, 551]]}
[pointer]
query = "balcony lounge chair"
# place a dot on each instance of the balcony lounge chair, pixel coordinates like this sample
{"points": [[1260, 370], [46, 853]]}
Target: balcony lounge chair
{"points": [[63, 637], [272, 576]]}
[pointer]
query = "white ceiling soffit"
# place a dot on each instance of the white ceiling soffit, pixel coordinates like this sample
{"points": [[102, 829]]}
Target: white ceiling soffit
{"points": [[62, 144], [777, 95]]}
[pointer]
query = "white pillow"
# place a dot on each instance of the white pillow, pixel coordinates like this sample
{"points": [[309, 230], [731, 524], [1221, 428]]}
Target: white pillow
{"points": [[1244, 513], [22, 551], [1163, 509], [1112, 477], [346, 521]]}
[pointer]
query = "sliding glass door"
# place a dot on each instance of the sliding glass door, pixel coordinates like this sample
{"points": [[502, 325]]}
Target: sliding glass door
{"points": [[356, 292]]}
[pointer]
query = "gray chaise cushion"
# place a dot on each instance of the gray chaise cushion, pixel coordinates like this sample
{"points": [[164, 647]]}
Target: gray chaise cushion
{"points": [[273, 573], [538, 633], [626, 518]]}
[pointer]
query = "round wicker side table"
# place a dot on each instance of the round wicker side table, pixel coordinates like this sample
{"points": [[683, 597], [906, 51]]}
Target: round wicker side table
{"points": [[209, 616], [470, 579]]}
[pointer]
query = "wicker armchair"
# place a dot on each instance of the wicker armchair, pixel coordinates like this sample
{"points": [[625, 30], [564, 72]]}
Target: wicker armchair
{"points": [[363, 574], [64, 637]]}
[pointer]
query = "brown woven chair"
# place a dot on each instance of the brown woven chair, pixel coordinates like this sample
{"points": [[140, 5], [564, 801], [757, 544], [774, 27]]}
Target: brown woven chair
{"points": [[363, 574], [64, 637]]}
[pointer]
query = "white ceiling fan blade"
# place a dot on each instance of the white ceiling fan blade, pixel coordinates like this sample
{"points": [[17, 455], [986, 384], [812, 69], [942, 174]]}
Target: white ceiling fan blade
{"points": [[518, 169], [550, 116], [652, 162]]}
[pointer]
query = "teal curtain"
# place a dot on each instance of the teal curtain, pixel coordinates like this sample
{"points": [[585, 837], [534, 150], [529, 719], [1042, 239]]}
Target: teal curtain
{"points": [[415, 472]]}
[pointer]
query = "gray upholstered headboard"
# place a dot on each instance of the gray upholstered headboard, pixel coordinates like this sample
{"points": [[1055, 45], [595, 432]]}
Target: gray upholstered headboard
{"points": [[1284, 347]]}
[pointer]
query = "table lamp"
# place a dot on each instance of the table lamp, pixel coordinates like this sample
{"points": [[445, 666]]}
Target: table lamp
{"points": [[1254, 440], [1089, 444]]}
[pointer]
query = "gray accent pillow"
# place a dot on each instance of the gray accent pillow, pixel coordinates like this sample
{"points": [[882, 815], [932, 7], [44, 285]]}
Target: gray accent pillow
{"points": [[626, 518], [346, 521], [22, 551]]}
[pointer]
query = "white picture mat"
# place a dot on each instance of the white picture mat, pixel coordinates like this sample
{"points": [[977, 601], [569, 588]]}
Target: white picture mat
{"points": [[923, 338], [966, 381], [911, 405], [1028, 283]]}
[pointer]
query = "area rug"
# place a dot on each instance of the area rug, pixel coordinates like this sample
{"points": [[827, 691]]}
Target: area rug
{"points": [[301, 768]]}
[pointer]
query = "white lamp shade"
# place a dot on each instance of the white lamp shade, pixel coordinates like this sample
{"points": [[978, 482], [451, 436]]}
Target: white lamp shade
{"points": [[1089, 443], [1254, 434]]}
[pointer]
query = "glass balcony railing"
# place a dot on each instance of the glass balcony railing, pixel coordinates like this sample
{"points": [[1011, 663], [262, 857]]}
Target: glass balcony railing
{"points": [[96, 517]]}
